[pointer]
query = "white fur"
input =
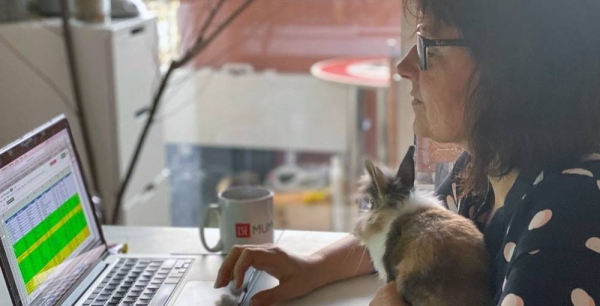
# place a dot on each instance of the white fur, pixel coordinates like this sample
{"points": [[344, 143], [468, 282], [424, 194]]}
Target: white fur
{"points": [[376, 246], [376, 243]]}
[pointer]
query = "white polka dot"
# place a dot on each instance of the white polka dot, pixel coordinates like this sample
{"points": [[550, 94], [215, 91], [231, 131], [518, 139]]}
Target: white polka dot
{"points": [[579, 171], [504, 284], [534, 252], [592, 157], [509, 249], [593, 244], [581, 298], [540, 219], [512, 300], [598, 184], [539, 178], [524, 196]]}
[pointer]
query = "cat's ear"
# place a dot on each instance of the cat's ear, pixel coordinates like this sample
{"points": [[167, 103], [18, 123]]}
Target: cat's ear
{"points": [[377, 177], [406, 171]]}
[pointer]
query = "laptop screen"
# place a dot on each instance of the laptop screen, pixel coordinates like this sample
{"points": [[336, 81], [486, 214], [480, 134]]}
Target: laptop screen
{"points": [[49, 234]]}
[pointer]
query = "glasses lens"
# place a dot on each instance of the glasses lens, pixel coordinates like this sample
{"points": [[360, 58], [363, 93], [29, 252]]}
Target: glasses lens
{"points": [[421, 52]]}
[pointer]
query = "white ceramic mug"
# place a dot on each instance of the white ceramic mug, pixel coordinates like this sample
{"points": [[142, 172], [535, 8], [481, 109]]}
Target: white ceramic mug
{"points": [[245, 217]]}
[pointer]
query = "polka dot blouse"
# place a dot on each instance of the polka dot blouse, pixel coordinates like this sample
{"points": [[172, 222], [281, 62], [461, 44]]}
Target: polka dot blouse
{"points": [[544, 243]]}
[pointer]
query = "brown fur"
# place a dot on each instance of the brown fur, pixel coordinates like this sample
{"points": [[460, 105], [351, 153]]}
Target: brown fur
{"points": [[441, 259]]}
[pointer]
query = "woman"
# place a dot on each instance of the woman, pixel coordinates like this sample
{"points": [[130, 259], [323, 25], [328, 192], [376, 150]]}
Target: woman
{"points": [[516, 83]]}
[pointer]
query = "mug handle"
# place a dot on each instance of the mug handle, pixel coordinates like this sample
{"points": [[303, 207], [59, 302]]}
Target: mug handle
{"points": [[219, 246]]}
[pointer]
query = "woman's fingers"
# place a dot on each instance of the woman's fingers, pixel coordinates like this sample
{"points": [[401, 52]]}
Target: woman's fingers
{"points": [[264, 258], [225, 272], [244, 262], [387, 296], [240, 258]]}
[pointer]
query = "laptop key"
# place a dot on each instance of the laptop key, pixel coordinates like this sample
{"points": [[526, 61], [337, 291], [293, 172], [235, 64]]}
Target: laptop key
{"points": [[161, 296], [169, 263], [129, 299], [134, 294], [102, 297], [172, 280]]}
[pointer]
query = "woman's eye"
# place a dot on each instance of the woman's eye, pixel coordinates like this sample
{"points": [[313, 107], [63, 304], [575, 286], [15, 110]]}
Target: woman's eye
{"points": [[432, 53]]}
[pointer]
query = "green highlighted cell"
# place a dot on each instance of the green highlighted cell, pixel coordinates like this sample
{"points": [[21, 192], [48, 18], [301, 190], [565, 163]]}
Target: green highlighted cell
{"points": [[44, 242], [41, 229]]}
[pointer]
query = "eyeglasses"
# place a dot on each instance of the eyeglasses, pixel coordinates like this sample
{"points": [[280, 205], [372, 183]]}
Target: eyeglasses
{"points": [[424, 43]]}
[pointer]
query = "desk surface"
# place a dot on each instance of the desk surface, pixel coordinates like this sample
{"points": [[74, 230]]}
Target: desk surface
{"points": [[357, 291], [165, 240]]}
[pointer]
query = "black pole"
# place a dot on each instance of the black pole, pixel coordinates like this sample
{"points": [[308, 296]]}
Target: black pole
{"points": [[198, 47]]}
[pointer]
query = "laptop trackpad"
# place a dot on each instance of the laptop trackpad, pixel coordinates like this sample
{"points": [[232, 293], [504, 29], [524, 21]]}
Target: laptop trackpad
{"points": [[196, 293]]}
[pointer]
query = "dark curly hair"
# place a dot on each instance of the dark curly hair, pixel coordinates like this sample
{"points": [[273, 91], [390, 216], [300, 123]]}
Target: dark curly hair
{"points": [[534, 98]]}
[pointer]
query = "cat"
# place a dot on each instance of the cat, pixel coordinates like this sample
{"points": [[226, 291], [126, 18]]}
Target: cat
{"points": [[436, 257]]}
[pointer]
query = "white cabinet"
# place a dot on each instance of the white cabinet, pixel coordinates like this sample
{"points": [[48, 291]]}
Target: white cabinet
{"points": [[118, 68]]}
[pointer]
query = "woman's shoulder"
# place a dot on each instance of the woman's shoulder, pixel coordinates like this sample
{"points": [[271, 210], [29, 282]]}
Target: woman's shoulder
{"points": [[561, 211], [574, 186]]}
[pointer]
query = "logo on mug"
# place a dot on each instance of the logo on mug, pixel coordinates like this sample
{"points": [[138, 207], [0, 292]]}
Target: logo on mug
{"points": [[242, 230], [245, 230]]}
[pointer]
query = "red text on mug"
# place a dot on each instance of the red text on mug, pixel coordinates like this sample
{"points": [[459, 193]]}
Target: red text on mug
{"points": [[242, 230]]}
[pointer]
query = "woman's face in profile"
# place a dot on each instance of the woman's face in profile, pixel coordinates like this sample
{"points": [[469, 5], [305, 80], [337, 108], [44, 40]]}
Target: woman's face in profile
{"points": [[440, 91]]}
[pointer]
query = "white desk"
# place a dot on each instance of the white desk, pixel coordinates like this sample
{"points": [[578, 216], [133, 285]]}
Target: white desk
{"points": [[164, 240], [158, 240]]}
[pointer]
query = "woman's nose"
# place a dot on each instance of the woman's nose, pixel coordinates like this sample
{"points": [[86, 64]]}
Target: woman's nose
{"points": [[408, 68]]}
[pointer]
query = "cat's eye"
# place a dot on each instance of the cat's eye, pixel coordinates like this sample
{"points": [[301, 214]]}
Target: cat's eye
{"points": [[365, 204]]}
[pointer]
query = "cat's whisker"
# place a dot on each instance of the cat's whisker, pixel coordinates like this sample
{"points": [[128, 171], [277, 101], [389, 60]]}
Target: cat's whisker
{"points": [[361, 259], [349, 252]]}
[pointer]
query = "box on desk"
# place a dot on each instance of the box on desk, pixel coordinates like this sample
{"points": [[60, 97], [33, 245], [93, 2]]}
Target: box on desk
{"points": [[306, 210]]}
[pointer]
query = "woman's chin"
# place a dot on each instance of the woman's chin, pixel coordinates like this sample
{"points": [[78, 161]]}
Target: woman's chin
{"points": [[420, 130]]}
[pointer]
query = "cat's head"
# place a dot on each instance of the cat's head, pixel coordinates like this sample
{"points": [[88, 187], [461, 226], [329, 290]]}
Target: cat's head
{"points": [[383, 191], [384, 188]]}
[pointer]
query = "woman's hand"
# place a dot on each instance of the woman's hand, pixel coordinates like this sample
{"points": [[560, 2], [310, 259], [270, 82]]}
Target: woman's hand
{"points": [[296, 275], [388, 296]]}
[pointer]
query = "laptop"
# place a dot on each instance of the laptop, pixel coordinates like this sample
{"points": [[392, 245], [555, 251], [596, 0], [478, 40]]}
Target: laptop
{"points": [[53, 250]]}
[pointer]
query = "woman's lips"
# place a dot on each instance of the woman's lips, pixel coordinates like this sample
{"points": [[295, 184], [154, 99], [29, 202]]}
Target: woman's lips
{"points": [[416, 102]]}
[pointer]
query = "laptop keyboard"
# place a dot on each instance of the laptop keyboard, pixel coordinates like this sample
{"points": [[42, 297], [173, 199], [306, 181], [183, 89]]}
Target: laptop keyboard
{"points": [[139, 282]]}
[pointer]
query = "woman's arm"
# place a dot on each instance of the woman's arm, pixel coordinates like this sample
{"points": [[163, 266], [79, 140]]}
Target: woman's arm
{"points": [[554, 277], [343, 259], [297, 276]]}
